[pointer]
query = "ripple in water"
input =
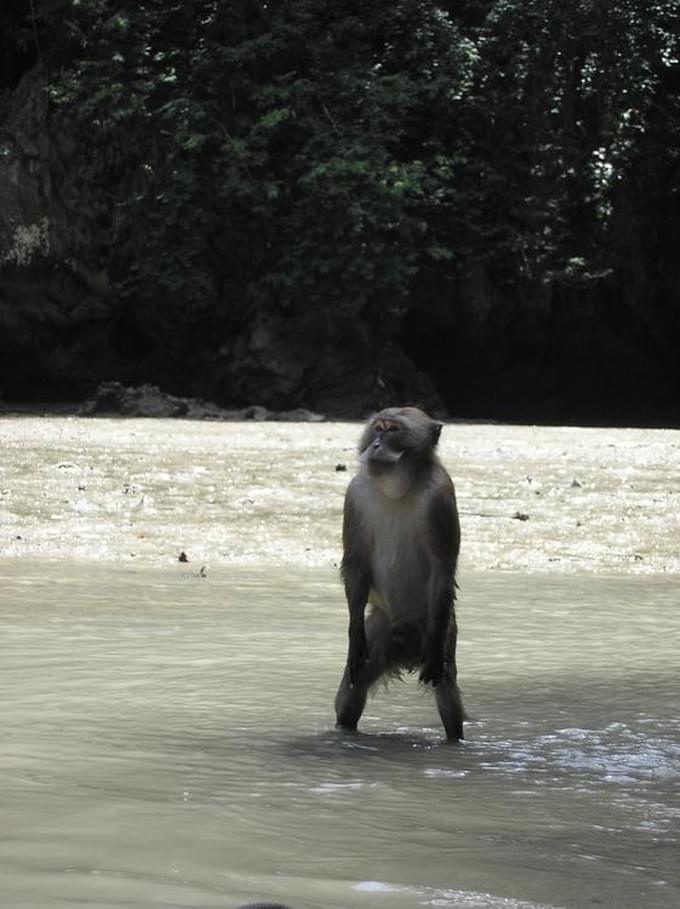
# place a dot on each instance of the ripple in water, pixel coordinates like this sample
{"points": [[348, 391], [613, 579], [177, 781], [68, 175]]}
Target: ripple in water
{"points": [[459, 899]]}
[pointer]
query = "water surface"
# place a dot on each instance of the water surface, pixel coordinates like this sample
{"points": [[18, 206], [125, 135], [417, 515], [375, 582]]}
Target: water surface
{"points": [[167, 729]]}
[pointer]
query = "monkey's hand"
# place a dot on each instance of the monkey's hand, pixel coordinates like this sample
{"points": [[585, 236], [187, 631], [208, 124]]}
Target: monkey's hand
{"points": [[433, 663], [357, 659]]}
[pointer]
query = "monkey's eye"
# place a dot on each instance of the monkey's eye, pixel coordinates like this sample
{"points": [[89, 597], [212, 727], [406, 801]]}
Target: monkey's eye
{"points": [[392, 427]]}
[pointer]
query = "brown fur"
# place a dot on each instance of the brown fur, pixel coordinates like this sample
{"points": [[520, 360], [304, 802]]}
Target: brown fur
{"points": [[401, 539]]}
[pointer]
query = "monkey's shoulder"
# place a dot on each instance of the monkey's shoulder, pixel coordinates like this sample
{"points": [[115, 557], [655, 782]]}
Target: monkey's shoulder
{"points": [[440, 477]]}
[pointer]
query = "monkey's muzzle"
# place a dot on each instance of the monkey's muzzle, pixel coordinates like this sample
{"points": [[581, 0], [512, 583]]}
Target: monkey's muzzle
{"points": [[381, 456]]}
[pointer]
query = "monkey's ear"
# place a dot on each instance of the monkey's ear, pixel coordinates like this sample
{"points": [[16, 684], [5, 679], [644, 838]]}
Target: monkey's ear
{"points": [[435, 430]]}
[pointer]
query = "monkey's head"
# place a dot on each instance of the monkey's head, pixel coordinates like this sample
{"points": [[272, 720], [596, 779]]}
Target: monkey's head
{"points": [[398, 437]]}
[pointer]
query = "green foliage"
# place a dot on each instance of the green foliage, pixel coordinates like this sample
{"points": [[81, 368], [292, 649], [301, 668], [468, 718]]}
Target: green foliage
{"points": [[316, 158], [563, 98]]}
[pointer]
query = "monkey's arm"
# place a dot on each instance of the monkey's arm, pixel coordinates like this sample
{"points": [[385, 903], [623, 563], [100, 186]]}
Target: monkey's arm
{"points": [[444, 544], [356, 575]]}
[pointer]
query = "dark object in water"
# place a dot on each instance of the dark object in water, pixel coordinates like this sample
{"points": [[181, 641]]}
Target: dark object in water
{"points": [[263, 906]]}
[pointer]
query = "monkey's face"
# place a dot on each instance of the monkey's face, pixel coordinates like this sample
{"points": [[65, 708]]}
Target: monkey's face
{"points": [[395, 436], [385, 447]]}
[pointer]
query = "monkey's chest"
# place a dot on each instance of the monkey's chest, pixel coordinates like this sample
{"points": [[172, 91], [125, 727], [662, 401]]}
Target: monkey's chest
{"points": [[399, 573]]}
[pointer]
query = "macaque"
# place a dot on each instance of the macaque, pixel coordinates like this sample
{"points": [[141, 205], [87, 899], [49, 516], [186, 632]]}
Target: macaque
{"points": [[401, 538]]}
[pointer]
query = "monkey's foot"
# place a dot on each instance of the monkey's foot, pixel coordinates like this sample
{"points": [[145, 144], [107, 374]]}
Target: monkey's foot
{"points": [[346, 726]]}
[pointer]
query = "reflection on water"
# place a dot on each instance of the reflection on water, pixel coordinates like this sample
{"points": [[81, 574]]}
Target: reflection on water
{"points": [[167, 740]]}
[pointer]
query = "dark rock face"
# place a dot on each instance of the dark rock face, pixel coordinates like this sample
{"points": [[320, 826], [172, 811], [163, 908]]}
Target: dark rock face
{"points": [[149, 401], [55, 304], [469, 346], [548, 353], [64, 328]]}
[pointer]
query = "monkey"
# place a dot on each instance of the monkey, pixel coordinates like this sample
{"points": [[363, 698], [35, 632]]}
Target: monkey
{"points": [[401, 539]]}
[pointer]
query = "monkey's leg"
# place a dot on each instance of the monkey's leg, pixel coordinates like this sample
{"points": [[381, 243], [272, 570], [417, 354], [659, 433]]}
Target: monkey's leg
{"points": [[450, 706], [350, 701], [351, 698], [447, 693]]}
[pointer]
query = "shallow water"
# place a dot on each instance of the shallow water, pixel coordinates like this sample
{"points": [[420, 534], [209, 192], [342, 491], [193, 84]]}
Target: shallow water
{"points": [[531, 498], [167, 729]]}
